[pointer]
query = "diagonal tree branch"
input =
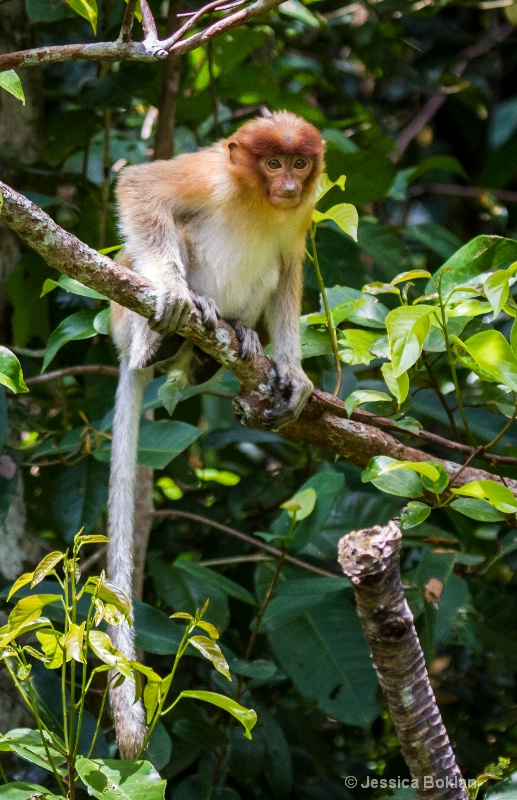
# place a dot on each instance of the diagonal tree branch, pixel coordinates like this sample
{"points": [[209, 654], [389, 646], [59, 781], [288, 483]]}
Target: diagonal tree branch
{"points": [[322, 422], [134, 51]]}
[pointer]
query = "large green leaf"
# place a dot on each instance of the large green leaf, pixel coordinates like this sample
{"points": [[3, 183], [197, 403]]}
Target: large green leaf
{"points": [[215, 579], [110, 779], [81, 493], [480, 255], [407, 327], [75, 327], [28, 744], [499, 496], [494, 356], [386, 474], [324, 652]]}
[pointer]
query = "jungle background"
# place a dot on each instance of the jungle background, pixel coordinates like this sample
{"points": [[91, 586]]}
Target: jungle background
{"points": [[417, 103]]}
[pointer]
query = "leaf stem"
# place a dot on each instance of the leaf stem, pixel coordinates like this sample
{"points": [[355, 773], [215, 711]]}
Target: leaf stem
{"points": [[330, 322]]}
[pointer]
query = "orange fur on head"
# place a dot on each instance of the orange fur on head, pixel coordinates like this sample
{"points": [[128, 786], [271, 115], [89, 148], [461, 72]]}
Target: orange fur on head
{"points": [[283, 133]]}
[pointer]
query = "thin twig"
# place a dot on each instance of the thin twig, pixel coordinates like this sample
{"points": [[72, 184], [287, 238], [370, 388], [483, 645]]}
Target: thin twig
{"points": [[453, 190], [177, 35], [274, 551], [148, 23], [81, 369], [127, 22]]}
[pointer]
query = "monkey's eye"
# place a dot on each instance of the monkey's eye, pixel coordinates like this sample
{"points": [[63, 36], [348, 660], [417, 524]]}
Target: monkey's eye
{"points": [[300, 163], [274, 163]]}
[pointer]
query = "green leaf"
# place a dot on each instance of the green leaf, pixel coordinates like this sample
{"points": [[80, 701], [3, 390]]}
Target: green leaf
{"points": [[407, 328], [46, 565], [108, 593], [212, 578], [413, 514], [344, 215], [80, 496], [325, 185], [72, 286], [477, 509], [384, 473], [27, 744], [52, 644], [28, 609], [75, 327], [494, 356], [102, 321], [24, 791], [87, 9], [246, 716], [480, 255], [398, 385], [499, 496], [354, 346], [106, 651], [10, 371], [210, 650], [74, 642], [361, 396], [301, 505], [10, 81], [323, 650], [112, 779], [160, 442], [497, 290], [412, 275]]}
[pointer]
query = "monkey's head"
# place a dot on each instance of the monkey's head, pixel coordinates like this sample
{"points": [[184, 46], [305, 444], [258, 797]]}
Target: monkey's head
{"points": [[280, 156]]}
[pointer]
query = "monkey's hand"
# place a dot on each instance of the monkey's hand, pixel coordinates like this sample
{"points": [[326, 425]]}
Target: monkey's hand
{"points": [[172, 310], [209, 313], [248, 339], [295, 388]]}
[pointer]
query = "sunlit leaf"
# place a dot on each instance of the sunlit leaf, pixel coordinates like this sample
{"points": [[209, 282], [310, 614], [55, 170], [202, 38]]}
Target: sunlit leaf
{"points": [[344, 215], [10, 81], [494, 356], [113, 779], [301, 505], [407, 328], [46, 565], [397, 384], [497, 289], [211, 651], [74, 642], [361, 396], [499, 496], [246, 716], [23, 580], [87, 9], [10, 370], [106, 651]]}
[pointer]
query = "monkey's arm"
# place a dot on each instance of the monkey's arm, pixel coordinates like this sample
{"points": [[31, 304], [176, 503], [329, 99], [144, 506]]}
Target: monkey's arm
{"points": [[150, 201], [283, 318]]}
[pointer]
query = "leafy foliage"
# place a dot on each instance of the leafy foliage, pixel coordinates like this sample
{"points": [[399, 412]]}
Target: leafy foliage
{"points": [[416, 254]]}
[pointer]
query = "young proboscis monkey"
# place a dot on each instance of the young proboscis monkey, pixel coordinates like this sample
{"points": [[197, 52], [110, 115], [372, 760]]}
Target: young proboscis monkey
{"points": [[221, 230]]}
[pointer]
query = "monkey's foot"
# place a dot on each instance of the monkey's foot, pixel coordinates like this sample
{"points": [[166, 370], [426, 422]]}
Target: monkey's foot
{"points": [[172, 310], [295, 388], [209, 313], [249, 341]]}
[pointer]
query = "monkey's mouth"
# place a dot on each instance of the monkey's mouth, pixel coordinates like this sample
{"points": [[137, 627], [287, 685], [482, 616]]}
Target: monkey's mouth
{"points": [[285, 200]]}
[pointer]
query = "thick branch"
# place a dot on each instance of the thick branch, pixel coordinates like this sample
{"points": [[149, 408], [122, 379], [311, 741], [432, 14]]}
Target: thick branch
{"points": [[370, 558], [131, 51], [321, 423]]}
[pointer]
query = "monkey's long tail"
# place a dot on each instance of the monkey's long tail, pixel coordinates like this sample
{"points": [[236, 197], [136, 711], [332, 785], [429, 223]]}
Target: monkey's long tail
{"points": [[128, 716]]}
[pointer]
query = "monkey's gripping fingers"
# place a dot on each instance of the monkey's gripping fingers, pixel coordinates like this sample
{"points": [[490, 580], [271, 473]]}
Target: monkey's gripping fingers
{"points": [[172, 310], [249, 341], [209, 313], [295, 389]]}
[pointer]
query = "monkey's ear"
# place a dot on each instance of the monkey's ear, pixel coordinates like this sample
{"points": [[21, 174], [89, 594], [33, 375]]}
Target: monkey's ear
{"points": [[232, 146]]}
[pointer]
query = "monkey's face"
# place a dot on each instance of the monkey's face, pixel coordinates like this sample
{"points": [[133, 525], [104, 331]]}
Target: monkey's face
{"points": [[285, 178]]}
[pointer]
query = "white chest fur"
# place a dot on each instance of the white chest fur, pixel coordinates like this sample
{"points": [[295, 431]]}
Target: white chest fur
{"points": [[238, 264]]}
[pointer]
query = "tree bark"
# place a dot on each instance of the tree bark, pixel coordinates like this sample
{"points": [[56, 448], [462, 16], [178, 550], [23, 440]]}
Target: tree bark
{"points": [[370, 558]]}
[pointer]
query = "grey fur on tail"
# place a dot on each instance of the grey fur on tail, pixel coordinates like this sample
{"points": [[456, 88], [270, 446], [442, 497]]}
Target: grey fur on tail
{"points": [[128, 716]]}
